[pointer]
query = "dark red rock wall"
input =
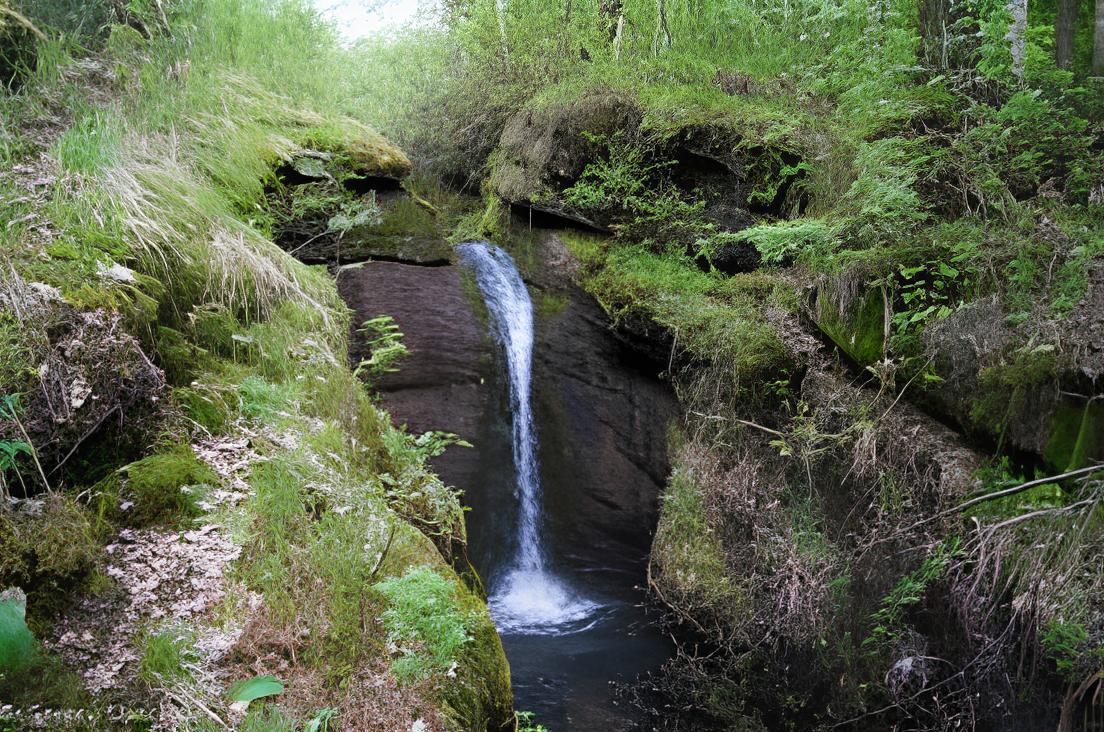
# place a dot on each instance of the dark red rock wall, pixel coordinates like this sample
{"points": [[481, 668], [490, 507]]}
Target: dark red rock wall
{"points": [[601, 414]]}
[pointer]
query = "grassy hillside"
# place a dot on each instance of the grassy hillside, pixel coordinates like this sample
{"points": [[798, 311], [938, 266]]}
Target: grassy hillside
{"points": [[197, 488]]}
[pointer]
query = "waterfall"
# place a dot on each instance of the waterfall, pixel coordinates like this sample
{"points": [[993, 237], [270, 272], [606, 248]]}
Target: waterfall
{"points": [[528, 598]]}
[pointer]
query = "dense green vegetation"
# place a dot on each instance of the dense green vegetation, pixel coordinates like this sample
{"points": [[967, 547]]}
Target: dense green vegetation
{"points": [[866, 238], [919, 185], [177, 395]]}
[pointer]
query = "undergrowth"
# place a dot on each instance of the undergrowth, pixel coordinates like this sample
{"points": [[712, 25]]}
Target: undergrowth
{"points": [[153, 143]]}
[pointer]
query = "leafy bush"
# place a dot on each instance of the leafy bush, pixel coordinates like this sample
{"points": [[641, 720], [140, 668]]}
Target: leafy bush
{"points": [[631, 189], [1064, 643], [908, 592]]}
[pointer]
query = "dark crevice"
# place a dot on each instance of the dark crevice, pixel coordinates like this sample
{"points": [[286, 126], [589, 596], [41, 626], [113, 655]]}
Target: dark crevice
{"points": [[363, 184], [343, 262], [540, 217]]}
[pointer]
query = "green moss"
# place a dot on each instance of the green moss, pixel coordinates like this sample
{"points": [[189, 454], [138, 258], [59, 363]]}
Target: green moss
{"points": [[1004, 388], [589, 249], [859, 329], [205, 405], [47, 552], [550, 304], [716, 320], [480, 698], [167, 485], [166, 651], [688, 557], [406, 230], [357, 146], [214, 328], [406, 217], [1076, 436], [423, 620], [180, 359]]}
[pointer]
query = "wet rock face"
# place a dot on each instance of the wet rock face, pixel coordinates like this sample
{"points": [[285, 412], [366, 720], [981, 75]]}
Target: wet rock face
{"points": [[603, 418], [443, 383], [601, 414]]}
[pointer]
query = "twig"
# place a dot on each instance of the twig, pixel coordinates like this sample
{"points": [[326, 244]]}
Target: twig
{"points": [[1001, 494], [84, 437], [1041, 512], [383, 554], [188, 698], [768, 430], [1025, 486]]}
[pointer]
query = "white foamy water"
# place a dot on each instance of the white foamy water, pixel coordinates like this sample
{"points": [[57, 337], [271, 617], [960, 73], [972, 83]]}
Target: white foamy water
{"points": [[528, 598]]}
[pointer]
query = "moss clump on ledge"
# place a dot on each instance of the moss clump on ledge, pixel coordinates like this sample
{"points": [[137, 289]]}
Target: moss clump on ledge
{"points": [[356, 148], [858, 328], [167, 485]]}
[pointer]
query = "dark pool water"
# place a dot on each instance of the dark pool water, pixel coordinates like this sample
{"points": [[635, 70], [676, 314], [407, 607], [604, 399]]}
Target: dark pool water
{"points": [[569, 677]]}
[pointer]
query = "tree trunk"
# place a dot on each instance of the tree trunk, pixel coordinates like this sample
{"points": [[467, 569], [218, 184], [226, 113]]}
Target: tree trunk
{"points": [[1016, 32], [612, 13], [618, 36], [500, 13], [1063, 33], [1098, 41]]}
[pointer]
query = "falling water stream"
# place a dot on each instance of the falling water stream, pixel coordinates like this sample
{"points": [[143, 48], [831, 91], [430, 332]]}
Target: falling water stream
{"points": [[563, 569], [528, 598]]}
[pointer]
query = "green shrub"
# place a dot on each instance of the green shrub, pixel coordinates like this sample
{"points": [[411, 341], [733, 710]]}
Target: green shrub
{"points": [[908, 592], [633, 190], [1064, 643]]}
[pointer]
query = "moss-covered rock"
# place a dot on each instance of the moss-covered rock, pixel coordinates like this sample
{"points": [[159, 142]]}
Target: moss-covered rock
{"points": [[545, 149], [404, 231], [325, 211], [47, 547], [165, 486], [1018, 391], [688, 560], [1076, 435], [356, 149], [858, 326], [475, 692]]}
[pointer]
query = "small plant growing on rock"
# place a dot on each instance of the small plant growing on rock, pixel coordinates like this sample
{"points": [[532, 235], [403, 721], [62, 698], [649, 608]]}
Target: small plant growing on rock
{"points": [[385, 344], [424, 624]]}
